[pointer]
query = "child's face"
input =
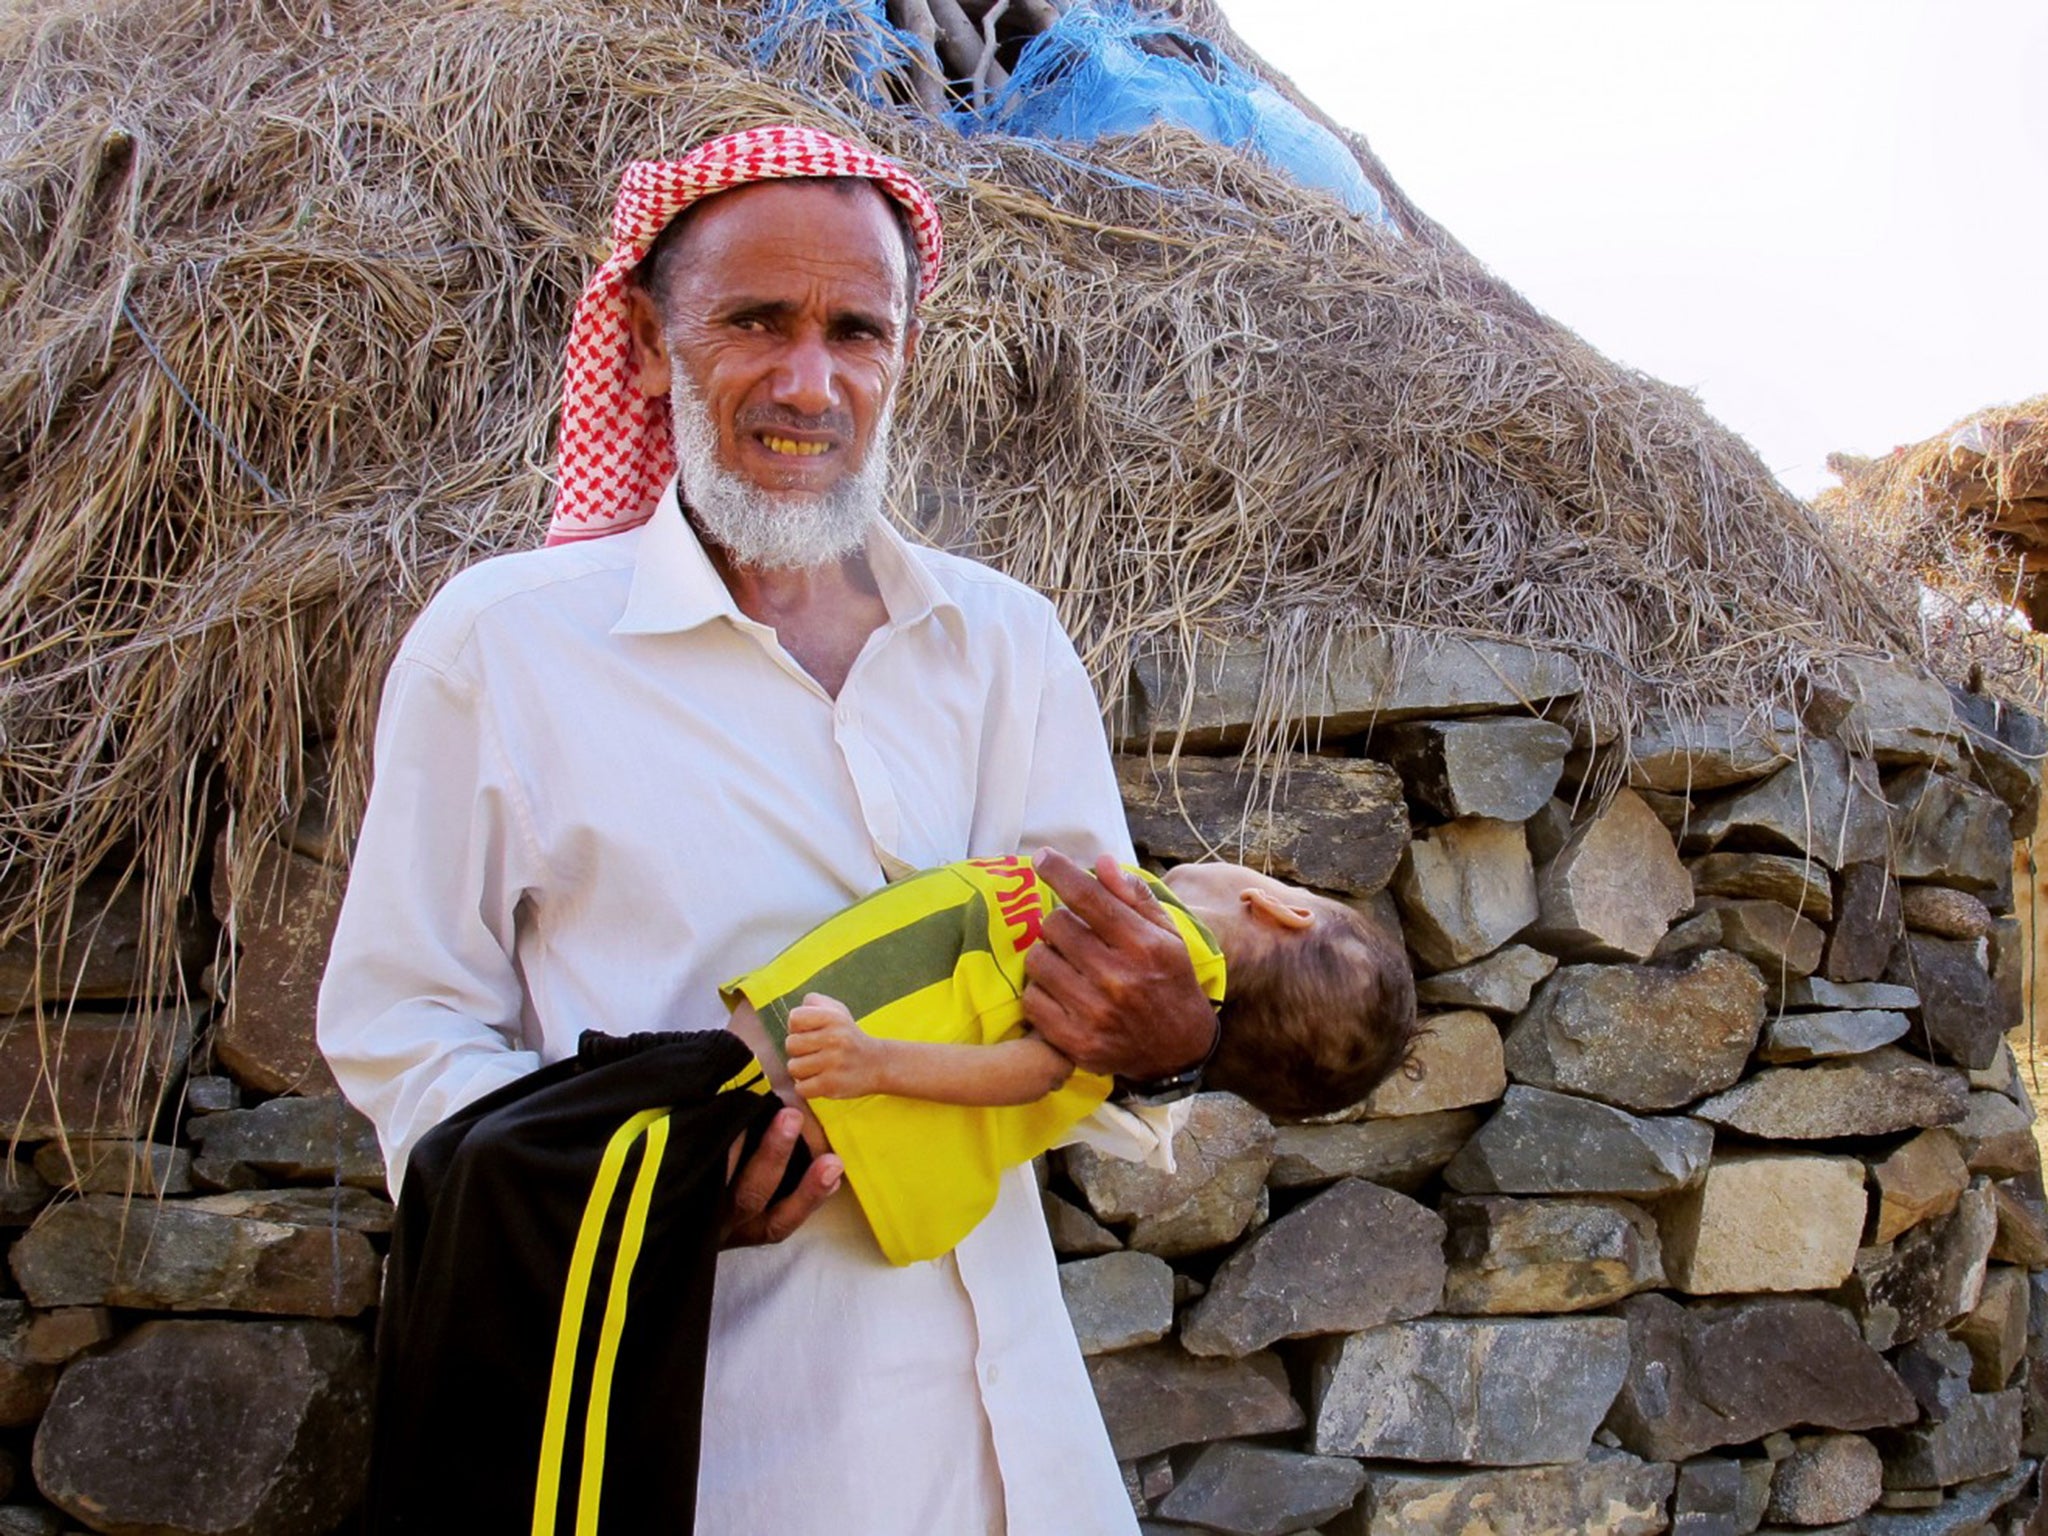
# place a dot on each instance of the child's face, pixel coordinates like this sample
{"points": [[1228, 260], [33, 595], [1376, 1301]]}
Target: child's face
{"points": [[1244, 908]]}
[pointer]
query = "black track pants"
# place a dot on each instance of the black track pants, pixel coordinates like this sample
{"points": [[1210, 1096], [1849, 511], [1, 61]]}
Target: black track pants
{"points": [[549, 1294]]}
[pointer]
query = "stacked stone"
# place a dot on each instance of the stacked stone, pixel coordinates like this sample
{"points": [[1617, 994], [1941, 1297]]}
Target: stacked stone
{"points": [[1715, 1206], [196, 1223]]}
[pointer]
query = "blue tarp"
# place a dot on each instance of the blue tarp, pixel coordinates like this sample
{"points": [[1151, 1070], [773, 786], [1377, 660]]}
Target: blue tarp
{"points": [[1089, 76]]}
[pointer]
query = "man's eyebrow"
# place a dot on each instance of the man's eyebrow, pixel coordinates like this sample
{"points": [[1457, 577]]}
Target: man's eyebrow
{"points": [[885, 322]]}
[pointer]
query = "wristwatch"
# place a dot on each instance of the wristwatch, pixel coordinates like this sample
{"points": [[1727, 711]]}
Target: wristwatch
{"points": [[1147, 1092]]}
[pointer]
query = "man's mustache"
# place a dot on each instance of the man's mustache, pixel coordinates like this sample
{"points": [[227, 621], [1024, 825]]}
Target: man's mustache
{"points": [[771, 418]]}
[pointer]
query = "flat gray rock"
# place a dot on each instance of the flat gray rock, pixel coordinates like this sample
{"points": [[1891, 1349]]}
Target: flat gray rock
{"points": [[1642, 1037], [115, 1167], [1951, 833], [1371, 679], [1510, 1255], [1501, 768], [1962, 1513], [1485, 1391], [1808, 993], [1825, 806], [1261, 1490], [1719, 746], [1796, 1037], [1610, 1493], [1118, 1300], [1980, 1437], [1499, 984], [1351, 1257], [1957, 1002], [1465, 889], [1613, 888], [323, 1139], [133, 1440], [1338, 824], [1869, 919], [1893, 712], [1715, 1374], [1876, 1094], [1074, 1233], [1544, 1143], [1221, 1154], [104, 1250], [1158, 1396], [1401, 1154]]}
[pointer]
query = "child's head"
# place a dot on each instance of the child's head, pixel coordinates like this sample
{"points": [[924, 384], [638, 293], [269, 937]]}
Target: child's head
{"points": [[1319, 1006]]}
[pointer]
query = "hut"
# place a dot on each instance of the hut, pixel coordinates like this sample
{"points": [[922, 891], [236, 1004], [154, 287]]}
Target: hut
{"points": [[1715, 1203]]}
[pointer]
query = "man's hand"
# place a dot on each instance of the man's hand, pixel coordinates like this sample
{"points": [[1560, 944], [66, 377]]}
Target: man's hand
{"points": [[1111, 982], [749, 1218], [830, 1056]]}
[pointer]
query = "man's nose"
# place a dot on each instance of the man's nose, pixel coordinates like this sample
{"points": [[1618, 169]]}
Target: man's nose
{"points": [[806, 376]]}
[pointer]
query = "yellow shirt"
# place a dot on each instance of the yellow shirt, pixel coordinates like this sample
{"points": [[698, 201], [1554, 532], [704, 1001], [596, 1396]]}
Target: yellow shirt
{"points": [[939, 957]]}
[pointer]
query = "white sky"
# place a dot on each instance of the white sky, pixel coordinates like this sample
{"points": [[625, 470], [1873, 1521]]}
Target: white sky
{"points": [[1829, 218]]}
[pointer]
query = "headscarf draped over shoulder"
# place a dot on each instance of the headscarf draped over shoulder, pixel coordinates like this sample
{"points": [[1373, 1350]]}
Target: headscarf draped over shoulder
{"points": [[615, 452]]}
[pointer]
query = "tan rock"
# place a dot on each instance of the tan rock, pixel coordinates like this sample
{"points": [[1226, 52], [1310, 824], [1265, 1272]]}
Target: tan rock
{"points": [[1457, 1062], [1542, 1256], [1465, 889], [2022, 1225], [1801, 884], [1613, 888], [1770, 935], [1921, 1180], [1995, 1330], [1222, 1155], [1764, 1221]]}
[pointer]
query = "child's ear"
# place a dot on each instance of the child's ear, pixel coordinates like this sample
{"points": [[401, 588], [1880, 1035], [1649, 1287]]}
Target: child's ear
{"points": [[1270, 908]]}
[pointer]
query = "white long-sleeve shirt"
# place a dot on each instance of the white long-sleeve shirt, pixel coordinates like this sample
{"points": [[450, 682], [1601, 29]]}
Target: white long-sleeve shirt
{"points": [[600, 791]]}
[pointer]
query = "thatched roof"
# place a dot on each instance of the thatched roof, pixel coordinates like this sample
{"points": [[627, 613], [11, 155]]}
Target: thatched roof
{"points": [[285, 289], [1966, 512]]}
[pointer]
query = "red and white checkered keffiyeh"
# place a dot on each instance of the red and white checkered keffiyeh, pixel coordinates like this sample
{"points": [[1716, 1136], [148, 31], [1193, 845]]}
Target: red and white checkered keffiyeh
{"points": [[615, 453]]}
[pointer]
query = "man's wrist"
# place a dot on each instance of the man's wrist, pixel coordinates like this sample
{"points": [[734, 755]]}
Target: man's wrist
{"points": [[1142, 1092]]}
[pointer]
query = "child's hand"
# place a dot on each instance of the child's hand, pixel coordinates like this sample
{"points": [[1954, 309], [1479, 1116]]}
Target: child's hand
{"points": [[830, 1056]]}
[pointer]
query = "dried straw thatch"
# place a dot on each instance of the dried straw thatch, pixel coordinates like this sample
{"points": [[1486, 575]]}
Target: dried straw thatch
{"points": [[285, 288], [1966, 513]]}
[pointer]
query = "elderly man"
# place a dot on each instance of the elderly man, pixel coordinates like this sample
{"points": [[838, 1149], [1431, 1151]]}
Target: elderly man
{"points": [[614, 772]]}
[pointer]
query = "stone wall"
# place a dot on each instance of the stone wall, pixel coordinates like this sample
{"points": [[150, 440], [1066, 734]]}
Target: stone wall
{"points": [[1715, 1206]]}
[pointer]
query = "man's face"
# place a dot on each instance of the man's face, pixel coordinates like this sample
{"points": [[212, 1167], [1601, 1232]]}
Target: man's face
{"points": [[786, 328]]}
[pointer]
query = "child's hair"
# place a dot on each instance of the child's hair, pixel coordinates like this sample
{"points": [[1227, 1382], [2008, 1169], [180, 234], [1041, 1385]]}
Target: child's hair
{"points": [[1313, 1027]]}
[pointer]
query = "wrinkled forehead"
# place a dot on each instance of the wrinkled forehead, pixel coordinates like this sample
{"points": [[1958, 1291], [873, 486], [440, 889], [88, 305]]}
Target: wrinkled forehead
{"points": [[817, 218]]}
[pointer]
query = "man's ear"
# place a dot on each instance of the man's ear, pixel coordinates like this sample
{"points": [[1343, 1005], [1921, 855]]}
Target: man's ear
{"points": [[651, 371], [1268, 908], [912, 329]]}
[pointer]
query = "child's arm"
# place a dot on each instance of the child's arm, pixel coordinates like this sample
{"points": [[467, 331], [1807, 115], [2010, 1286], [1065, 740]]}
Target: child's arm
{"points": [[831, 1057]]}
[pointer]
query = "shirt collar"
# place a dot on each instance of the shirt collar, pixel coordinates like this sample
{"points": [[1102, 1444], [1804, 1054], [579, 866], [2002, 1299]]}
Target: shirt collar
{"points": [[677, 588]]}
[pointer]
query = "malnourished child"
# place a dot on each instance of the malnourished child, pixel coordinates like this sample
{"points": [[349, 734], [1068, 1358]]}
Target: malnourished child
{"points": [[899, 1023]]}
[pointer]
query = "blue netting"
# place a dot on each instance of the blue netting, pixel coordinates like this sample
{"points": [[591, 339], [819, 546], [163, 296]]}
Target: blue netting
{"points": [[1088, 77]]}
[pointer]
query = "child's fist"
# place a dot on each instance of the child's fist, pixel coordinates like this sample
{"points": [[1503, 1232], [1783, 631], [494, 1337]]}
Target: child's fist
{"points": [[828, 1054]]}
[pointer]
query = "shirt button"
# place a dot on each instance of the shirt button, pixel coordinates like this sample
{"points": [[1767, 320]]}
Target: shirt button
{"points": [[990, 1375]]}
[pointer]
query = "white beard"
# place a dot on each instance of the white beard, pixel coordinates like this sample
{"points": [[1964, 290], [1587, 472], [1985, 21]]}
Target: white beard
{"points": [[768, 530]]}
